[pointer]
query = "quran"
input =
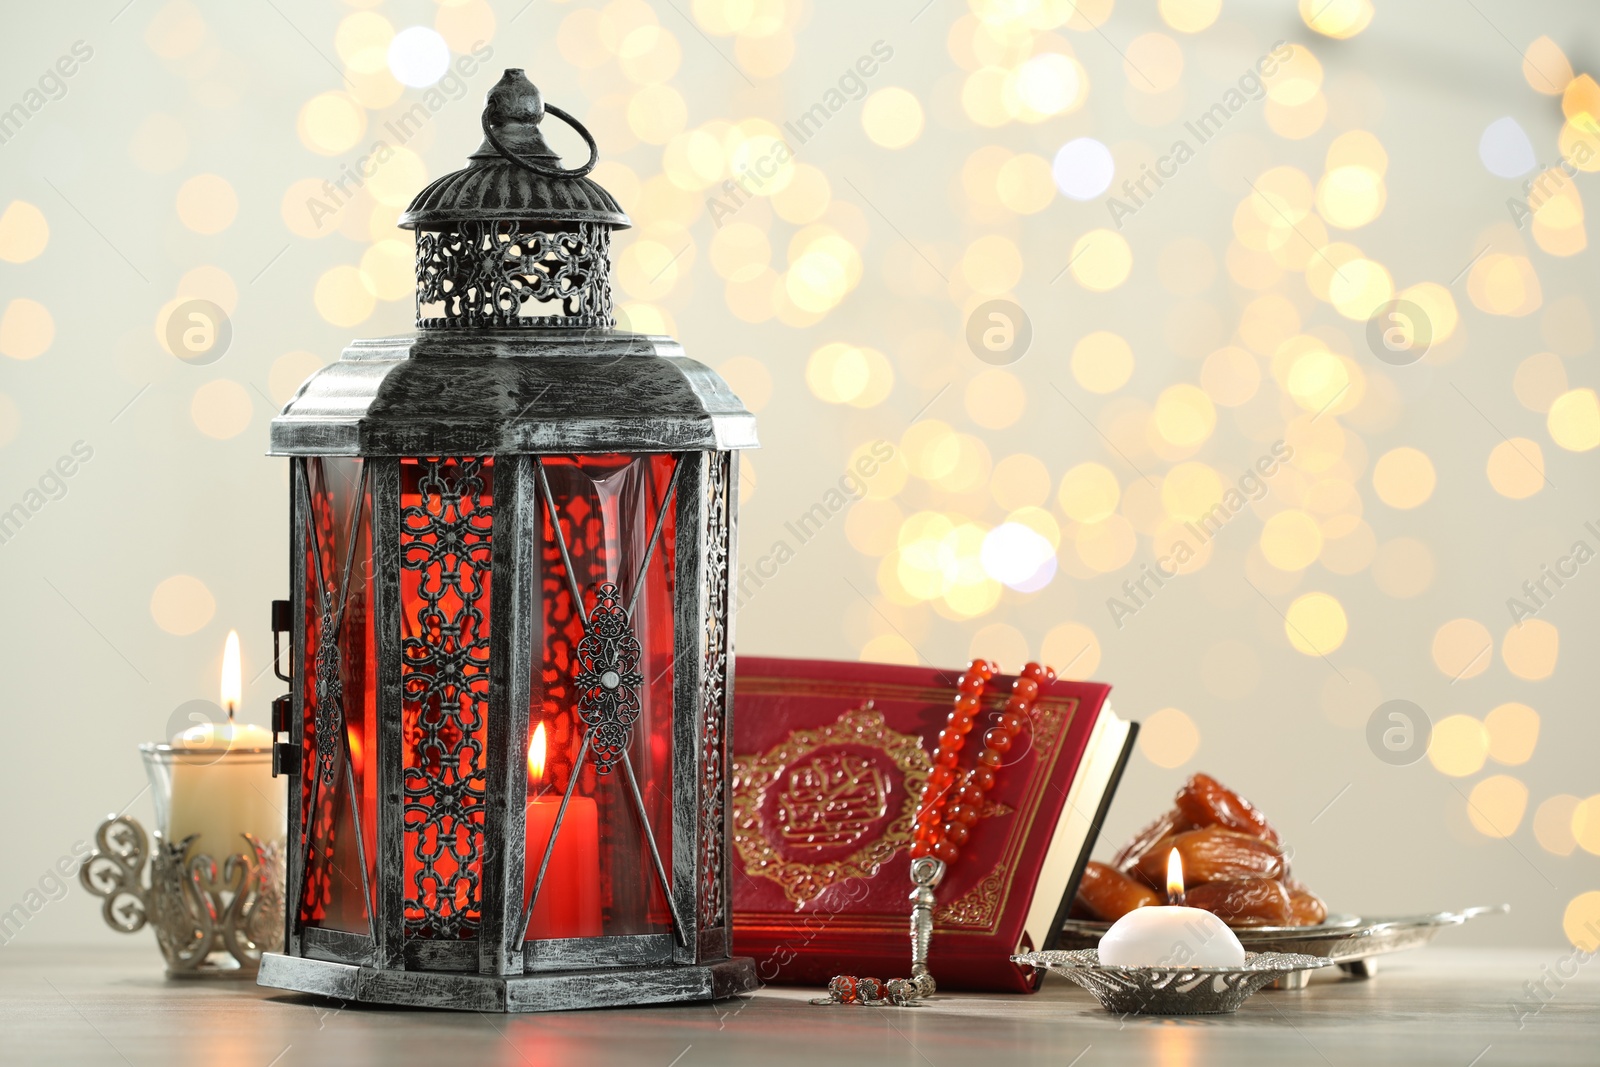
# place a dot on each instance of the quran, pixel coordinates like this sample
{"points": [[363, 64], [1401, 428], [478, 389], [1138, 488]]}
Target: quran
{"points": [[828, 764]]}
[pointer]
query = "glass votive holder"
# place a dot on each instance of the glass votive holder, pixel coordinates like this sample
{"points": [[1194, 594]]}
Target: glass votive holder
{"points": [[214, 893]]}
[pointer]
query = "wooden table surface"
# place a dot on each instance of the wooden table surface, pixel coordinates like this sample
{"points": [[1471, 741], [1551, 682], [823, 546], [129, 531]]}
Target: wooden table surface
{"points": [[1437, 1006]]}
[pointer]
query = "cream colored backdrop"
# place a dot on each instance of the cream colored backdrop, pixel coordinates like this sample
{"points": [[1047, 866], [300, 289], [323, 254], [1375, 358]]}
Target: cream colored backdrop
{"points": [[256, 155]]}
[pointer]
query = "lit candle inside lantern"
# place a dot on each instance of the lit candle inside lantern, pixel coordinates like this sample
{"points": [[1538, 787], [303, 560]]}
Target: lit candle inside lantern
{"points": [[569, 900], [1172, 936], [222, 777]]}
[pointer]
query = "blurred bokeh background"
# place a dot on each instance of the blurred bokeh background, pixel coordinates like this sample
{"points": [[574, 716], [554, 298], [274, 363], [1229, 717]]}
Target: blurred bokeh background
{"points": [[1366, 268]]}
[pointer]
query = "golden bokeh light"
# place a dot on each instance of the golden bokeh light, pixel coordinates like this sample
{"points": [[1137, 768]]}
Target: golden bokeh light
{"points": [[1101, 260], [1505, 285], [1552, 824], [892, 117], [842, 373], [332, 123], [207, 203], [182, 604], [388, 269], [1316, 623], [1184, 415], [1545, 67], [995, 399], [1189, 490], [362, 41], [1102, 362], [1574, 420], [1516, 468], [1291, 540], [26, 329], [1496, 805], [1020, 480], [288, 372], [1586, 824], [1539, 380], [1350, 196], [343, 297], [1072, 650], [1024, 184], [221, 409], [1530, 649], [1043, 86], [1458, 746], [1404, 478], [1230, 376], [1462, 648], [1581, 921], [1189, 16], [1089, 493], [24, 233], [1513, 733], [1339, 19], [1153, 63], [992, 265], [1169, 738], [1107, 545]]}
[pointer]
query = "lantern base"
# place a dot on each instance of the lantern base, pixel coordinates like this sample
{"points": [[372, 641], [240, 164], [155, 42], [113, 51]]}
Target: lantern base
{"points": [[552, 991]]}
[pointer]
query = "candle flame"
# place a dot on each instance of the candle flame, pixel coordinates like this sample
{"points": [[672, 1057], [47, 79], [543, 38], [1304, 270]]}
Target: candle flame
{"points": [[232, 685], [1174, 876], [536, 750]]}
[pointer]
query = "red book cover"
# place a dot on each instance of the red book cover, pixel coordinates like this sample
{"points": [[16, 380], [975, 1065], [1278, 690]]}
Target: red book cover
{"points": [[829, 759]]}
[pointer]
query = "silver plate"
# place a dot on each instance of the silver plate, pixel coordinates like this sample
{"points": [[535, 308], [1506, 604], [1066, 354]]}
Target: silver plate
{"points": [[1343, 939], [1171, 990]]}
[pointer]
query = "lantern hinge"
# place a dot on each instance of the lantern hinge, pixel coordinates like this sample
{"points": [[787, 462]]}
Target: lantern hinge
{"points": [[282, 623], [285, 759], [285, 754]]}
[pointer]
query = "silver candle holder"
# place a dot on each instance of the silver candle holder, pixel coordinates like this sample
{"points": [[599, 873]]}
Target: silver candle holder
{"points": [[213, 916]]}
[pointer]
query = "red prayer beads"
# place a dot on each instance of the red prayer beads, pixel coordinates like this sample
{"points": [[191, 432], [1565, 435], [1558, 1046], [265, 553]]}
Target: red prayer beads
{"points": [[951, 801]]}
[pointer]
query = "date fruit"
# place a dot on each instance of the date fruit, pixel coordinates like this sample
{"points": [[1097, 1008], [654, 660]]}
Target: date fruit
{"points": [[1212, 854], [1109, 894], [1204, 801], [1307, 909], [1247, 902], [1129, 855]]}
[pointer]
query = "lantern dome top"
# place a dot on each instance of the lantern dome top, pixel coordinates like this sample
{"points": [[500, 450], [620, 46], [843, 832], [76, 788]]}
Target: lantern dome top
{"points": [[515, 174]]}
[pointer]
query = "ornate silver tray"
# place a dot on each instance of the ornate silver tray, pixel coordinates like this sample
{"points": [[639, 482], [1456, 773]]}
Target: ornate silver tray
{"points": [[1171, 990], [1353, 942]]}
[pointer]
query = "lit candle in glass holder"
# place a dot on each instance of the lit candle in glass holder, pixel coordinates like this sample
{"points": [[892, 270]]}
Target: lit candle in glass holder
{"points": [[222, 777], [569, 899]]}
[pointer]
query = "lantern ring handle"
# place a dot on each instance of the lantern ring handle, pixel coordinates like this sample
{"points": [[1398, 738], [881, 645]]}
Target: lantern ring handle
{"points": [[540, 168]]}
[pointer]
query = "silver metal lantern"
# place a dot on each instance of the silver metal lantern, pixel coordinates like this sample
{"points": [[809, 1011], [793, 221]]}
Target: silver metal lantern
{"points": [[510, 632]]}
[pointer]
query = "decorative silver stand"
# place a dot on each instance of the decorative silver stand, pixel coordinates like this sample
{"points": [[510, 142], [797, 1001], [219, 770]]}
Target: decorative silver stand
{"points": [[209, 923]]}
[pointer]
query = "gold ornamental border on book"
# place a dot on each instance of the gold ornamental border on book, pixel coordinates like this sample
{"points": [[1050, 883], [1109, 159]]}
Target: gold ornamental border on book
{"points": [[755, 775]]}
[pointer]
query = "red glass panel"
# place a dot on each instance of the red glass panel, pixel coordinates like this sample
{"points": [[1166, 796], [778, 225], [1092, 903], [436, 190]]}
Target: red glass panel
{"points": [[601, 878], [445, 529], [339, 679]]}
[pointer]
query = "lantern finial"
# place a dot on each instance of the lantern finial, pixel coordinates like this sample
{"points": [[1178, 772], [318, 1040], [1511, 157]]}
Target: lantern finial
{"points": [[515, 239]]}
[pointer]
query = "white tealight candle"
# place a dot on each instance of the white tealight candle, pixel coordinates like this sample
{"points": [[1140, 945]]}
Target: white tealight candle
{"points": [[1171, 936]]}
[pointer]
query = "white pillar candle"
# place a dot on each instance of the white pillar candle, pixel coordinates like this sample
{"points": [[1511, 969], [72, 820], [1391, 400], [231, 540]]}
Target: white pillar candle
{"points": [[1172, 936], [222, 783]]}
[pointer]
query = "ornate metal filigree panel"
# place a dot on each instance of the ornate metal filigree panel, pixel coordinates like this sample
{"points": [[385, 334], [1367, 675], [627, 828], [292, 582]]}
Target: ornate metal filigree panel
{"points": [[444, 675], [495, 273], [608, 678], [329, 691], [713, 696]]}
